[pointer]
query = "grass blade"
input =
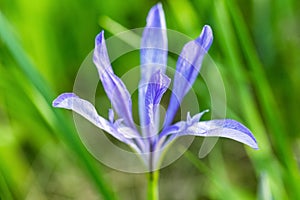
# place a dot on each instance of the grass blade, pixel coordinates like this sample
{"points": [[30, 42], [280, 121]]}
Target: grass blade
{"points": [[59, 124]]}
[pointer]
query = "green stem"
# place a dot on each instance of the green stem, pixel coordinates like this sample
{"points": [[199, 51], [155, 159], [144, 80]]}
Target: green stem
{"points": [[152, 190]]}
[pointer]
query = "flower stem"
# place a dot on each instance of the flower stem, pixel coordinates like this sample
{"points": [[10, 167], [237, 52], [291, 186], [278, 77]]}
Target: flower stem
{"points": [[152, 191]]}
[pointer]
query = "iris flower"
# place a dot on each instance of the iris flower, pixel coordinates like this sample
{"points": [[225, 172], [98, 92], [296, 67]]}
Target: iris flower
{"points": [[149, 140]]}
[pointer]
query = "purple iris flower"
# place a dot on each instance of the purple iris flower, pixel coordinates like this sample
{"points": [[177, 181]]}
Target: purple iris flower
{"points": [[149, 141]]}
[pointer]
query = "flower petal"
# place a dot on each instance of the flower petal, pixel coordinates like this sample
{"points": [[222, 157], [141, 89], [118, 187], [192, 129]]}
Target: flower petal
{"points": [[226, 128], [154, 50], [87, 110], [100, 56], [154, 45], [157, 86], [113, 85], [187, 69], [181, 126]]}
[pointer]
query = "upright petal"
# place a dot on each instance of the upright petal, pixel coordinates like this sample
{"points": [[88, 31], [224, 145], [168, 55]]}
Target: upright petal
{"points": [[226, 128], [187, 69], [154, 50], [157, 86], [100, 56], [113, 85], [154, 45]]}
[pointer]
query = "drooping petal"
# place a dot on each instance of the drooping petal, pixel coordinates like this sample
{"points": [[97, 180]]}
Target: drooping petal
{"points": [[87, 110], [154, 50], [157, 86], [187, 69], [113, 85], [226, 128]]}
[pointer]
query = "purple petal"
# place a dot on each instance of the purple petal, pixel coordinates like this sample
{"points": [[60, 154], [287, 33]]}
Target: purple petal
{"points": [[187, 69], [100, 56], [87, 110], [154, 45], [180, 126], [111, 115], [57, 102], [157, 86], [206, 38], [226, 128], [154, 49], [113, 85], [196, 118]]}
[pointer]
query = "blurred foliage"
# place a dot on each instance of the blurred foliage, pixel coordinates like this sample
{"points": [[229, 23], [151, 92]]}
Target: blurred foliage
{"points": [[256, 47]]}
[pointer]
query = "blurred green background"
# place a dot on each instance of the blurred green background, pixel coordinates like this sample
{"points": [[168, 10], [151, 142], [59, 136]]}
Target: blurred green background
{"points": [[256, 47]]}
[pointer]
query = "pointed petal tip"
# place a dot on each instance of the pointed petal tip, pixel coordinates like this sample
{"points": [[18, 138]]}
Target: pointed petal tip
{"points": [[100, 54], [156, 9], [111, 115], [159, 7], [237, 126], [207, 28], [159, 4], [195, 118], [61, 98], [160, 78], [163, 78], [206, 37], [207, 31], [188, 117], [156, 17], [99, 38], [255, 147]]}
